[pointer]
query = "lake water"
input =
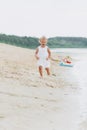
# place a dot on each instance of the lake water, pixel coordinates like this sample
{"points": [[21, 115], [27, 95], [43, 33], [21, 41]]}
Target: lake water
{"points": [[80, 66], [80, 72]]}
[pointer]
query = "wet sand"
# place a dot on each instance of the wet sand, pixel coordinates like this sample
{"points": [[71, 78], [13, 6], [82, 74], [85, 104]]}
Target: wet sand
{"points": [[28, 102]]}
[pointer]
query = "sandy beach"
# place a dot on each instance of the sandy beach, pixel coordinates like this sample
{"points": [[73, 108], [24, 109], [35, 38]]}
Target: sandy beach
{"points": [[28, 102]]}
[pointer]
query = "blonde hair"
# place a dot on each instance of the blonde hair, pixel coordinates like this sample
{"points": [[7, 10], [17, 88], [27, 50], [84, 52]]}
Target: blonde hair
{"points": [[43, 38]]}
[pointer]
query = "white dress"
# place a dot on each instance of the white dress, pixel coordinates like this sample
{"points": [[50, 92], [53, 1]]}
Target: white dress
{"points": [[43, 54]]}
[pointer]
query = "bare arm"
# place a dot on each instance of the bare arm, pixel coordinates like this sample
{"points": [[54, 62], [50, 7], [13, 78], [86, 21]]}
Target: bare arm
{"points": [[49, 53], [36, 52]]}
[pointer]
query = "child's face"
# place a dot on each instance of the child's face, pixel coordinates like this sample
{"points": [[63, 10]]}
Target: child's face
{"points": [[43, 41]]}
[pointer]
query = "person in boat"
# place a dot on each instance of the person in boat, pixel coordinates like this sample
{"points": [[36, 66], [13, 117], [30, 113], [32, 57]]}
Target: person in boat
{"points": [[67, 59]]}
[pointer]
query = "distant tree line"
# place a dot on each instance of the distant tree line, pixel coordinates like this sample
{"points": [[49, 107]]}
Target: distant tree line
{"points": [[68, 42], [27, 42], [53, 42]]}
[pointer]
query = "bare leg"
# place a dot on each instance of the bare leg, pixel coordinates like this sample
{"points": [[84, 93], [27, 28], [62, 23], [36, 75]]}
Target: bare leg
{"points": [[40, 71], [48, 71]]}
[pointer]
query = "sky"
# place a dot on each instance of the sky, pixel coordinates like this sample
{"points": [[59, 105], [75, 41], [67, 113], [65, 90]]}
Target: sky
{"points": [[50, 18]]}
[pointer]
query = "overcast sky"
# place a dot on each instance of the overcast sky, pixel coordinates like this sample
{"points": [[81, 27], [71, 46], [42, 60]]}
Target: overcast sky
{"points": [[44, 17]]}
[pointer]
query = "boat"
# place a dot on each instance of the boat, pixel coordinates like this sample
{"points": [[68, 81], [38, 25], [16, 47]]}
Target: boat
{"points": [[66, 64]]}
